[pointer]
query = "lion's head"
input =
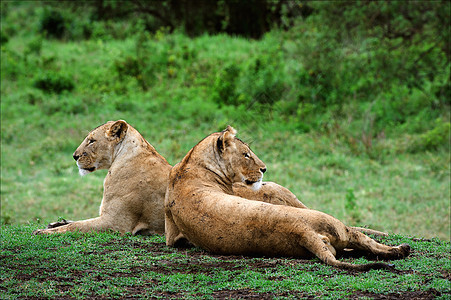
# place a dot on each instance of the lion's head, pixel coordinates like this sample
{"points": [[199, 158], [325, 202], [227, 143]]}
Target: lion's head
{"points": [[242, 164], [98, 148]]}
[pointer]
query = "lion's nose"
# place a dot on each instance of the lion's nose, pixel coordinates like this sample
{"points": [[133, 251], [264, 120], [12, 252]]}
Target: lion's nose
{"points": [[76, 157], [263, 170]]}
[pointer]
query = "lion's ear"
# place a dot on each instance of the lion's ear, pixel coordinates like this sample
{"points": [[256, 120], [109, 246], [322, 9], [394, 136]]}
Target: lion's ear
{"points": [[226, 138], [231, 130], [117, 131]]}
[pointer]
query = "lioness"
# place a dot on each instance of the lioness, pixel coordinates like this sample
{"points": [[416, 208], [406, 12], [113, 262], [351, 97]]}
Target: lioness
{"points": [[200, 206], [134, 187], [136, 182]]}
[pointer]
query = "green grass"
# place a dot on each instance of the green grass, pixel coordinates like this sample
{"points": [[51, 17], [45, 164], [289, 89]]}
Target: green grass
{"points": [[108, 265]]}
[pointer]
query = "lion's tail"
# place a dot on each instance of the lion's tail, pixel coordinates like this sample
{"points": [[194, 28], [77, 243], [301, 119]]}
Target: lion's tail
{"points": [[357, 267], [370, 231]]}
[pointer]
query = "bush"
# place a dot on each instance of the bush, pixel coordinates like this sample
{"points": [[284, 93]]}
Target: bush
{"points": [[399, 70], [34, 46], [433, 139], [51, 82], [258, 82], [52, 24], [128, 66], [262, 80], [3, 38], [224, 88]]}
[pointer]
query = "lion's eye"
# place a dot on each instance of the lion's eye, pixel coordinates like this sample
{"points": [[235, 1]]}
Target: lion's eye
{"points": [[246, 155], [91, 141]]}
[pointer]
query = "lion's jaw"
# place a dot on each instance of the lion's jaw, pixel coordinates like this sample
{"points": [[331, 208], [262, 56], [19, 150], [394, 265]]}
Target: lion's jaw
{"points": [[254, 185], [84, 171], [257, 185]]}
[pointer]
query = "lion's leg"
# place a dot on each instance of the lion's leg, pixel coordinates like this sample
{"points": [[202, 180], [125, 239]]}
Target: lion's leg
{"points": [[317, 244], [174, 238], [358, 240], [326, 241], [95, 224]]}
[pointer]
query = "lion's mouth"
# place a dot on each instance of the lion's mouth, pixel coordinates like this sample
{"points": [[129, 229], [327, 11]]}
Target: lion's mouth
{"points": [[250, 182], [84, 171], [254, 184]]}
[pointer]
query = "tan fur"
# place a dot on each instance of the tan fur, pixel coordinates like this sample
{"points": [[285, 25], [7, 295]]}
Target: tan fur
{"points": [[134, 187], [200, 205]]}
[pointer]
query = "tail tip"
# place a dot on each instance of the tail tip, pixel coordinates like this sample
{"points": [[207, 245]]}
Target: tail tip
{"points": [[404, 250]]}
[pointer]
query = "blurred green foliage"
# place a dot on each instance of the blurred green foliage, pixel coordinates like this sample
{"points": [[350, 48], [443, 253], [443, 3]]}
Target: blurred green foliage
{"points": [[360, 70]]}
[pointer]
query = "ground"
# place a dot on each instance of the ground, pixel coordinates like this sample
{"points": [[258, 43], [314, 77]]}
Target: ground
{"points": [[88, 266]]}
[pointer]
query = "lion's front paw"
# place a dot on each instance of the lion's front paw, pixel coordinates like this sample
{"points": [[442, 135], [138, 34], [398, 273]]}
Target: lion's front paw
{"points": [[58, 224]]}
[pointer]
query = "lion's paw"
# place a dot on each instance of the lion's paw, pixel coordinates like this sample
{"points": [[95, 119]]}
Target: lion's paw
{"points": [[58, 224]]}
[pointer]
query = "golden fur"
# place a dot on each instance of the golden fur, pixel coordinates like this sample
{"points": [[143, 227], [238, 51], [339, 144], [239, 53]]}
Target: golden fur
{"points": [[134, 187], [200, 206]]}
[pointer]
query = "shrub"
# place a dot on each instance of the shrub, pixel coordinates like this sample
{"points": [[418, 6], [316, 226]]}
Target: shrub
{"points": [[52, 24], [34, 46], [51, 82], [3, 38], [397, 59], [433, 139], [13, 64], [259, 82], [224, 88], [128, 66], [262, 79], [159, 56]]}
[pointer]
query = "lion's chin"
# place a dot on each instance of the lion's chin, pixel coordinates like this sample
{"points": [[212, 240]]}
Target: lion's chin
{"points": [[83, 172], [255, 185]]}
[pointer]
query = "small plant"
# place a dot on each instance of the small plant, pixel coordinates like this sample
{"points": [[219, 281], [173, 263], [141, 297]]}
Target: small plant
{"points": [[5, 219]]}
